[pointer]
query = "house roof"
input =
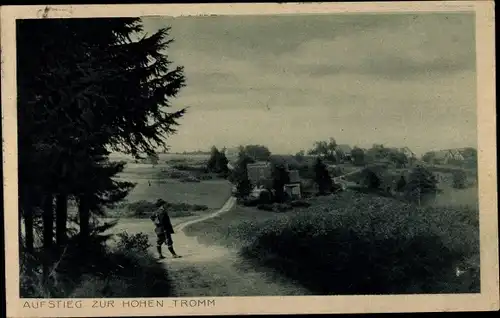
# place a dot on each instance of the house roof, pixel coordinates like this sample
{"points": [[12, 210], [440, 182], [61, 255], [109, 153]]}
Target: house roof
{"points": [[407, 151], [442, 154]]}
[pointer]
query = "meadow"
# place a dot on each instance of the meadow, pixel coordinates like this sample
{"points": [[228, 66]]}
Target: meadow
{"points": [[154, 182], [361, 243]]}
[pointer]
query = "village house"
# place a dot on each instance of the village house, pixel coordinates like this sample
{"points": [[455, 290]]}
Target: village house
{"points": [[259, 172], [447, 156], [260, 175], [408, 153]]}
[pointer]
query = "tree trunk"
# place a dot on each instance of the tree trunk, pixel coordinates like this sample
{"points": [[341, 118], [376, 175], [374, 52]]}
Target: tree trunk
{"points": [[48, 234], [61, 219], [48, 221], [28, 229], [84, 215]]}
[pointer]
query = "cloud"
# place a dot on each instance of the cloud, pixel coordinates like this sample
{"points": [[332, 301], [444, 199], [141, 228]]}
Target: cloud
{"points": [[401, 79], [421, 46]]}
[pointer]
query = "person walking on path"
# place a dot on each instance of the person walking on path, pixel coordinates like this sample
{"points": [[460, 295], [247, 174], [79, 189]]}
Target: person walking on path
{"points": [[164, 231]]}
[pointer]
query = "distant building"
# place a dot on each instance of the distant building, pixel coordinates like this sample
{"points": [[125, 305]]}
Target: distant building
{"points": [[293, 190], [259, 172], [447, 156], [408, 153], [294, 176]]}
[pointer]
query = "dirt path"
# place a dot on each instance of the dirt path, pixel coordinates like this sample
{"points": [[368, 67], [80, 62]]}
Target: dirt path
{"points": [[209, 270], [218, 271]]}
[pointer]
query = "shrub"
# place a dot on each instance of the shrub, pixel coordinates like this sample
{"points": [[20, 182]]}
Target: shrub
{"points": [[248, 201], [192, 168], [206, 177], [133, 274], [265, 197], [138, 241], [125, 271], [145, 208], [459, 179], [199, 207], [300, 204], [401, 184], [322, 177], [422, 184], [371, 179], [142, 207], [366, 244], [265, 207], [281, 207]]}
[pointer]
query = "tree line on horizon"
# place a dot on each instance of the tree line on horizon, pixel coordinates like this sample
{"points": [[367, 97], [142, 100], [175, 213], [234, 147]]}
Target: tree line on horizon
{"points": [[419, 183]]}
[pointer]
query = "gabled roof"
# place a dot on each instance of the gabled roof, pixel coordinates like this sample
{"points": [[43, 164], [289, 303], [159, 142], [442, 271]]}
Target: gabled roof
{"points": [[442, 154], [407, 151]]}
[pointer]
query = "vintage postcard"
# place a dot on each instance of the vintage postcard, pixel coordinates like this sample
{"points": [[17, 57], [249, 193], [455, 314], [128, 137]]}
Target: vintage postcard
{"points": [[213, 159]]}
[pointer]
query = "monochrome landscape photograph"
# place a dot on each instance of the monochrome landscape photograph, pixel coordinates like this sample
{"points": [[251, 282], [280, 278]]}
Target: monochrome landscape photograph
{"points": [[248, 155]]}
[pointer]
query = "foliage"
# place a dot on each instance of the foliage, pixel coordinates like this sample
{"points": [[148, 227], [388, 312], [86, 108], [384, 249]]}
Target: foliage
{"points": [[327, 149], [422, 184], [138, 241], [265, 197], [322, 177], [239, 175], [358, 156], [428, 157], [401, 184], [280, 178], [217, 162], [94, 87], [399, 248], [380, 153], [299, 156], [153, 158], [371, 179], [257, 152], [459, 179], [144, 208], [103, 272]]}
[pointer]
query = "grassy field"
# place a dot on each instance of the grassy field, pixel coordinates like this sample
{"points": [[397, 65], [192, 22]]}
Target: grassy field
{"points": [[152, 184], [354, 243]]}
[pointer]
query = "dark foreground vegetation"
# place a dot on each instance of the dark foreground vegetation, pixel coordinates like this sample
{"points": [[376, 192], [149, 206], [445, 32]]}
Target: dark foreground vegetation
{"points": [[124, 270], [355, 243]]}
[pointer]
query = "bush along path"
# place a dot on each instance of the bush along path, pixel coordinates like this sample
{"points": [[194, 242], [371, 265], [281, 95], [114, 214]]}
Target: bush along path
{"points": [[218, 271]]}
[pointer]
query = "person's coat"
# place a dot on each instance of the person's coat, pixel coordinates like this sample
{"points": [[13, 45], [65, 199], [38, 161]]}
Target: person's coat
{"points": [[165, 221]]}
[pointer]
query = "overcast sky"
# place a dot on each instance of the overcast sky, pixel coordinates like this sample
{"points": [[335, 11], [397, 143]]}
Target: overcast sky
{"points": [[287, 81]]}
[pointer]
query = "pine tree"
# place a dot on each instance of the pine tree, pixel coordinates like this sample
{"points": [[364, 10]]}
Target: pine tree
{"points": [[240, 174], [322, 177], [91, 87], [422, 184], [280, 178], [459, 179], [400, 186], [212, 161], [221, 164]]}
